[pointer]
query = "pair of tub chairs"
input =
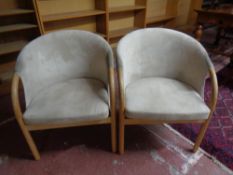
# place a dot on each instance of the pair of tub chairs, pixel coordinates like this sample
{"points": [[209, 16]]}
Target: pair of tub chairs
{"points": [[68, 80]]}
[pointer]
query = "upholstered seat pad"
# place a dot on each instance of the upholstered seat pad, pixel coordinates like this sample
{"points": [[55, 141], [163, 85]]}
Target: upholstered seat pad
{"points": [[76, 99], [164, 99]]}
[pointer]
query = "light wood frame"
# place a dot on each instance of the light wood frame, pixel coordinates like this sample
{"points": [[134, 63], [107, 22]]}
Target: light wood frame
{"points": [[111, 120], [123, 120]]}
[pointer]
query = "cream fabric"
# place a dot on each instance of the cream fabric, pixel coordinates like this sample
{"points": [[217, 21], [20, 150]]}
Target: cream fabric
{"points": [[60, 56], [65, 77], [159, 52], [71, 100], [163, 74], [164, 99]]}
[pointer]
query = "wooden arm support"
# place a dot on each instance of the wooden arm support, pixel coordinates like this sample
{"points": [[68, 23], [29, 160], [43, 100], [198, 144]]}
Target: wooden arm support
{"points": [[122, 91], [113, 107], [15, 98], [214, 91], [112, 91], [19, 116]]}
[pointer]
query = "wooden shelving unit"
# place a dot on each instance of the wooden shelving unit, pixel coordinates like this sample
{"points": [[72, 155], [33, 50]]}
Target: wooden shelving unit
{"points": [[18, 25], [23, 20], [90, 16], [111, 19], [103, 17]]}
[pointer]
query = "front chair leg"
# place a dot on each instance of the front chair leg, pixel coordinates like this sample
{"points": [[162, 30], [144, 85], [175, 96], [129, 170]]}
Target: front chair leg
{"points": [[114, 138], [121, 136], [19, 116], [200, 136], [30, 142]]}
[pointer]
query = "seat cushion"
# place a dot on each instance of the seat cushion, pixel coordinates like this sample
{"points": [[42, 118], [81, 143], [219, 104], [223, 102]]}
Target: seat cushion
{"points": [[76, 99], [164, 99]]}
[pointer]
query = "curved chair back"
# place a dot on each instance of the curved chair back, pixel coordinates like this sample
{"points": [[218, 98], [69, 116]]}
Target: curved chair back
{"points": [[159, 52], [60, 56]]}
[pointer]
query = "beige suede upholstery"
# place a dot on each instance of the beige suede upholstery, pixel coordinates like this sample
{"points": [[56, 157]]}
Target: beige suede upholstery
{"points": [[71, 100], [164, 99], [163, 75], [65, 77]]}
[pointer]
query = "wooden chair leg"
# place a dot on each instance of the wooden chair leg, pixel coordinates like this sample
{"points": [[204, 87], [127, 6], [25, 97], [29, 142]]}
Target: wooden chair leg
{"points": [[200, 136], [30, 141], [32, 145], [113, 133], [121, 136], [19, 117]]}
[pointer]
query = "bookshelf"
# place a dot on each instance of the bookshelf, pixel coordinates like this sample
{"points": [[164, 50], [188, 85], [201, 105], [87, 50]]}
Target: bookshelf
{"points": [[18, 25], [90, 16], [23, 20], [99, 16]]}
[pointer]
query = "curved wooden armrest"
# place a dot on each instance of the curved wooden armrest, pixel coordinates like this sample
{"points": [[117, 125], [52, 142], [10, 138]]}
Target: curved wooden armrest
{"points": [[112, 91], [122, 90], [15, 97], [214, 90]]}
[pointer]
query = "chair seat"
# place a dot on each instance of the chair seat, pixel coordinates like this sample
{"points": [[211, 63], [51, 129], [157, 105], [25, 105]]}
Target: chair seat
{"points": [[76, 99], [164, 99]]}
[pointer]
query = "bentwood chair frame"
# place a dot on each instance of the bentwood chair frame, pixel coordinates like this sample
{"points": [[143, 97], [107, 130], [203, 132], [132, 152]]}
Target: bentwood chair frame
{"points": [[27, 128], [124, 121]]}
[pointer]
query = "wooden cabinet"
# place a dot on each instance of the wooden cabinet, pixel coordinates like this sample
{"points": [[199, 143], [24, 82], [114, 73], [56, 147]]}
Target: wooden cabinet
{"points": [[18, 25]]}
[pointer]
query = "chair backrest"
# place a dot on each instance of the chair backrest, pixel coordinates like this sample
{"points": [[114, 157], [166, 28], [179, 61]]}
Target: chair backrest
{"points": [[61, 56], [159, 52]]}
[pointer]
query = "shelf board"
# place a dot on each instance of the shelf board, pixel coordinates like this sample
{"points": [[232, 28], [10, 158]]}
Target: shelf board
{"points": [[11, 12], [121, 32], [6, 66], [7, 76], [126, 8], [159, 19], [71, 15], [114, 45], [16, 27], [5, 88], [100, 34], [11, 47]]}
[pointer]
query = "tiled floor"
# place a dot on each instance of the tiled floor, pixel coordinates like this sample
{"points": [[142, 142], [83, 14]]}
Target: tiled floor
{"points": [[150, 150]]}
